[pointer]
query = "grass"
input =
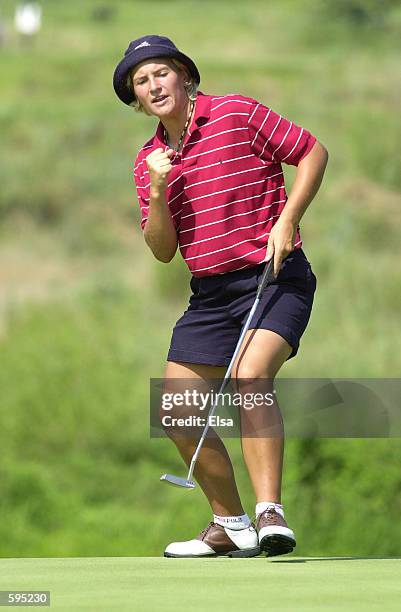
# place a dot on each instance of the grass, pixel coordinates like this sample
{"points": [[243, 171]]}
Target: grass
{"points": [[78, 469], [301, 583]]}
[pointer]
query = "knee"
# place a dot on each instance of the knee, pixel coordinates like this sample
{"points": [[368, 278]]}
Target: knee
{"points": [[170, 424], [252, 383], [178, 419], [171, 421], [247, 375]]}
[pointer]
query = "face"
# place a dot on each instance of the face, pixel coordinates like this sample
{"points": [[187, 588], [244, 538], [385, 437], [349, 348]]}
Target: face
{"points": [[159, 87]]}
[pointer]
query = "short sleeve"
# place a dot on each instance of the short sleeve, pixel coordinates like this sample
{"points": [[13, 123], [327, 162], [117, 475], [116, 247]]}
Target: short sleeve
{"points": [[141, 190], [174, 192], [275, 139]]}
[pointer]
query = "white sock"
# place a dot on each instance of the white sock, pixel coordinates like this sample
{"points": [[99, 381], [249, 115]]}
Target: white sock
{"points": [[262, 506], [233, 522]]}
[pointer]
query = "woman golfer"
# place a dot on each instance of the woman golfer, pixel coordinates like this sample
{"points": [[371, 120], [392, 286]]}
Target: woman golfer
{"points": [[210, 181]]}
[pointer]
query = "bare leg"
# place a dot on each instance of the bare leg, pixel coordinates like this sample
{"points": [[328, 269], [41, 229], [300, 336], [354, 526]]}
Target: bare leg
{"points": [[261, 359], [213, 469]]}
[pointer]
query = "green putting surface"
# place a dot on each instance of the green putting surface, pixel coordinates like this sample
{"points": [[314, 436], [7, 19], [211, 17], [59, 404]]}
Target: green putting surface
{"points": [[151, 583]]}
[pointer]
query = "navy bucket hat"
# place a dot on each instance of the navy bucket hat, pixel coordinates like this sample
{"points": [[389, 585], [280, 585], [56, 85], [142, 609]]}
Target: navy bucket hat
{"points": [[147, 47]]}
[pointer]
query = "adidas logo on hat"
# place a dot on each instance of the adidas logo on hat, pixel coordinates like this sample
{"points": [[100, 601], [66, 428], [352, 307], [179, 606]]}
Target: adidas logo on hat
{"points": [[144, 44]]}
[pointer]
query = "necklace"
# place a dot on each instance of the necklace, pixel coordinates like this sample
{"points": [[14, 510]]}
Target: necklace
{"points": [[177, 148]]}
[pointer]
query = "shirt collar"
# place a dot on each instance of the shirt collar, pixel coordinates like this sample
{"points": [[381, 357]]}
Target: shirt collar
{"points": [[159, 136], [202, 108], [202, 112]]}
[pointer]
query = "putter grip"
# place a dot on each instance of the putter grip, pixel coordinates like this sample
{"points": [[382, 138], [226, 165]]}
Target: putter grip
{"points": [[267, 277]]}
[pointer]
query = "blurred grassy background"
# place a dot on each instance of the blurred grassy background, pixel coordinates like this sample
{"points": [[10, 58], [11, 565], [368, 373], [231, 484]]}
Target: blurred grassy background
{"points": [[86, 312]]}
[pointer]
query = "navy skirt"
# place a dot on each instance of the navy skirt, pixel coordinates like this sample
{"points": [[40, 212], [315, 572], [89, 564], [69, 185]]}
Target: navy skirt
{"points": [[208, 331]]}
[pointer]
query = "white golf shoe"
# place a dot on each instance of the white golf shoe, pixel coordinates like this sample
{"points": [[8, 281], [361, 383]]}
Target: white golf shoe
{"points": [[275, 537], [217, 541]]}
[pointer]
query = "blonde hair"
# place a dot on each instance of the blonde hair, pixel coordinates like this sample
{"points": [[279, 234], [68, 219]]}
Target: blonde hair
{"points": [[190, 86]]}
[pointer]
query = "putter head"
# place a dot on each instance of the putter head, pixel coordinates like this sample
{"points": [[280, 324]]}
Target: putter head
{"points": [[177, 481]]}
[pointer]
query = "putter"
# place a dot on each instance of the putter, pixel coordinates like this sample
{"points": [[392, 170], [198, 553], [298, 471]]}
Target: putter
{"points": [[188, 483]]}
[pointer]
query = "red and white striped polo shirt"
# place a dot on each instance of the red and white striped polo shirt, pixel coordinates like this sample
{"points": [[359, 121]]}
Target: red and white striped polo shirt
{"points": [[226, 188]]}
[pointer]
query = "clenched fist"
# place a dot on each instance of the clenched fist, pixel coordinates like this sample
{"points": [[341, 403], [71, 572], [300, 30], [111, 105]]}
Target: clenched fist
{"points": [[159, 166]]}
